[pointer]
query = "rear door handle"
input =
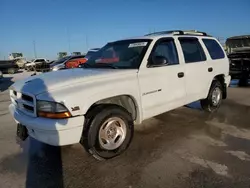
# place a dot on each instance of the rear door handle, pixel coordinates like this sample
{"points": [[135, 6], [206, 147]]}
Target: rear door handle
{"points": [[181, 74], [210, 69]]}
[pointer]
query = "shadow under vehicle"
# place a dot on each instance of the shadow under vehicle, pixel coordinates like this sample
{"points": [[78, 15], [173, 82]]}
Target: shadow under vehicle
{"points": [[238, 49]]}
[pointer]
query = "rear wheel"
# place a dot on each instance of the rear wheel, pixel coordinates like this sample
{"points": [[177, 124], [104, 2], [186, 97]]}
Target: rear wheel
{"points": [[108, 131], [214, 98]]}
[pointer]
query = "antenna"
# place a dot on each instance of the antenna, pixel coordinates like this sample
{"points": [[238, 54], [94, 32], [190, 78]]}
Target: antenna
{"points": [[34, 48], [68, 36]]}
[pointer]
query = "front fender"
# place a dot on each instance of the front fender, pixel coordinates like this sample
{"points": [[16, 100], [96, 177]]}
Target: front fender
{"points": [[78, 100]]}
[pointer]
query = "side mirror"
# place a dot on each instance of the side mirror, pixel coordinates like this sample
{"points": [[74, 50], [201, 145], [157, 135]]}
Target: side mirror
{"points": [[159, 61]]}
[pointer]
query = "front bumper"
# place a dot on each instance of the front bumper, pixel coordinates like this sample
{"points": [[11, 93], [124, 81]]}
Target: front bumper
{"points": [[56, 132]]}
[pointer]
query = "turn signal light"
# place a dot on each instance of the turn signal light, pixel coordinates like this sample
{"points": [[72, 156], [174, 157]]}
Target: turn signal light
{"points": [[59, 115]]}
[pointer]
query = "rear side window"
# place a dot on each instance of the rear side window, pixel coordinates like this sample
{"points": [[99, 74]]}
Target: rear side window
{"points": [[192, 50], [39, 60], [214, 49]]}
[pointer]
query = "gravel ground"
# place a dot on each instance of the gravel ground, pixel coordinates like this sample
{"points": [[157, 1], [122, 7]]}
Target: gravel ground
{"points": [[182, 148]]}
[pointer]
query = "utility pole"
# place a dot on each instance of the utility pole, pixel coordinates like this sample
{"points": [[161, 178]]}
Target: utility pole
{"points": [[34, 48], [87, 43], [68, 36]]}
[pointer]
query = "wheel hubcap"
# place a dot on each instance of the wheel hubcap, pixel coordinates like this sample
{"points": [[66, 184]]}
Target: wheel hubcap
{"points": [[216, 96], [112, 133]]}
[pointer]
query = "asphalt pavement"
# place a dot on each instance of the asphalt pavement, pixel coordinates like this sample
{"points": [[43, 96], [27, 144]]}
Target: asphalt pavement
{"points": [[184, 148]]}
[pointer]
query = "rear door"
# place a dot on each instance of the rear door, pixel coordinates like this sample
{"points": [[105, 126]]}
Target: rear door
{"points": [[162, 86], [196, 68], [217, 59]]}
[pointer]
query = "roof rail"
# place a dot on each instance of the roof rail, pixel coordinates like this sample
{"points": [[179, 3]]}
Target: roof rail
{"points": [[166, 32], [179, 32]]}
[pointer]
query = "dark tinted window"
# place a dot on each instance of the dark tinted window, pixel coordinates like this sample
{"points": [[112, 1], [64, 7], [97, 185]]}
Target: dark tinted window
{"points": [[214, 49], [192, 50], [78, 57], [166, 49], [39, 60]]}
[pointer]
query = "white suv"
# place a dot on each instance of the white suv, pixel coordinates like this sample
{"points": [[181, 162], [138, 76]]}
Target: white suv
{"points": [[124, 83]]}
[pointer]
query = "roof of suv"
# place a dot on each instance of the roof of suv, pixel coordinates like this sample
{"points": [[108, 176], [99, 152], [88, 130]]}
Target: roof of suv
{"points": [[160, 34]]}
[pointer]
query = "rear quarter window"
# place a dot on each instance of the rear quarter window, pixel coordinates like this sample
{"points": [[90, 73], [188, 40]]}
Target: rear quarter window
{"points": [[214, 49]]}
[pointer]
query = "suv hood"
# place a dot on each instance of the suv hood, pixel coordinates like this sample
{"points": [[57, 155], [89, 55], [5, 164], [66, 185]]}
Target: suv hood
{"points": [[53, 80]]}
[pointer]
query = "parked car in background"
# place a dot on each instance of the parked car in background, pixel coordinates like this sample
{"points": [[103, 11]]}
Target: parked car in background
{"points": [[8, 66], [74, 62], [99, 104], [19, 59], [238, 49], [35, 63], [1, 76]]}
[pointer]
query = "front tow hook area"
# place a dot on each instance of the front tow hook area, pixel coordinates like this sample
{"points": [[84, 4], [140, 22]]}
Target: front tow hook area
{"points": [[22, 132]]}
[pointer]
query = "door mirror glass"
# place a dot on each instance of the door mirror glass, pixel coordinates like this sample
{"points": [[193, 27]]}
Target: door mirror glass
{"points": [[159, 61]]}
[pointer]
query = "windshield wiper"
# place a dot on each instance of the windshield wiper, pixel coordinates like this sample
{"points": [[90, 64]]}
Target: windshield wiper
{"points": [[99, 65], [106, 65], [86, 65]]}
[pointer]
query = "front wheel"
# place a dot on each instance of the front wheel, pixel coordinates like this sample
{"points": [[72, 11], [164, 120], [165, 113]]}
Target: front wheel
{"points": [[214, 98], [109, 131]]}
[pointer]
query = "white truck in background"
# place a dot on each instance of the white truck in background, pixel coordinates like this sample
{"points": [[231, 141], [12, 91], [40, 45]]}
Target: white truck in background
{"points": [[19, 59]]}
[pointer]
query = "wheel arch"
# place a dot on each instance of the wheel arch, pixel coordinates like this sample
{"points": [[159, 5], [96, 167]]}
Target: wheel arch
{"points": [[125, 101], [221, 79]]}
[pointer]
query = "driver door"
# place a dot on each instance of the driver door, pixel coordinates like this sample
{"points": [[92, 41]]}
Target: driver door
{"points": [[162, 85]]}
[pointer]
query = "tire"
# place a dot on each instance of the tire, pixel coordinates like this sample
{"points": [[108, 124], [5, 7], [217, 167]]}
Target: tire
{"points": [[95, 135], [243, 82], [210, 104]]}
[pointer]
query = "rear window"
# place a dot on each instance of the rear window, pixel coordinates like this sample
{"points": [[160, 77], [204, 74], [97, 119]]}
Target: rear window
{"points": [[39, 60], [192, 50], [214, 49]]}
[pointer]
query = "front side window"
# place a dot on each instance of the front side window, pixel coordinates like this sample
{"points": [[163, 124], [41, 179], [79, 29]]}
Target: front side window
{"points": [[167, 50], [124, 54], [192, 50], [214, 49]]}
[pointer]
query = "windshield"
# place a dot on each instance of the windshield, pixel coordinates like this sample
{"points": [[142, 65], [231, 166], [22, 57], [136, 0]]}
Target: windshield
{"points": [[59, 61], [125, 54]]}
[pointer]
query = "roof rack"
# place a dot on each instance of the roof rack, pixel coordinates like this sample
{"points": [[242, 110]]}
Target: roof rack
{"points": [[179, 32]]}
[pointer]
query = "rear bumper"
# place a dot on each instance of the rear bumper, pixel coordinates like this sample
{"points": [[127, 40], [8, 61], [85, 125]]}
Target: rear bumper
{"points": [[56, 132]]}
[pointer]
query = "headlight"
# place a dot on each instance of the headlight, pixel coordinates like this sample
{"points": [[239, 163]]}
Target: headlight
{"points": [[55, 69], [52, 110], [58, 67]]}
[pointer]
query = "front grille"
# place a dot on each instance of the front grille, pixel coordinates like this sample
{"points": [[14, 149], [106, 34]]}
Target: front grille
{"points": [[27, 98], [23, 102], [30, 108]]}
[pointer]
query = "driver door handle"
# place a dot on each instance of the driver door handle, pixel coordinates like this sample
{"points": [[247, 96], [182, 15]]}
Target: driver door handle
{"points": [[180, 74]]}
